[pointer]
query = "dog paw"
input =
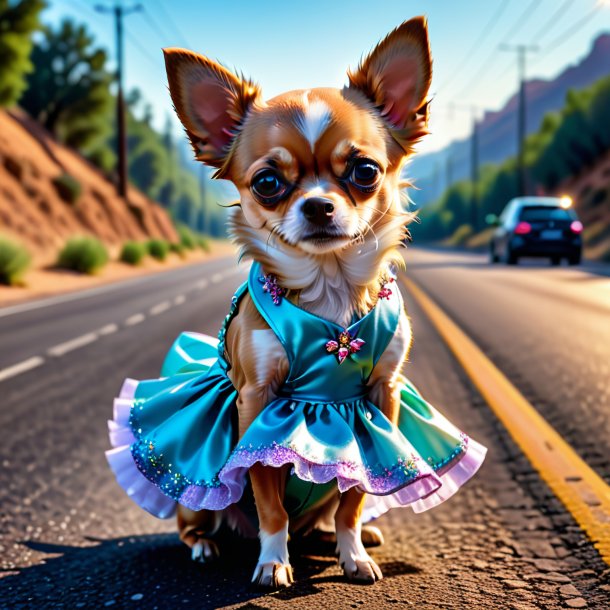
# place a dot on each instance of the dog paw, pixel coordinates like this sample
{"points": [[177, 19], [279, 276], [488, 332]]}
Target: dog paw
{"points": [[272, 576], [357, 564], [371, 536], [361, 569], [204, 551]]}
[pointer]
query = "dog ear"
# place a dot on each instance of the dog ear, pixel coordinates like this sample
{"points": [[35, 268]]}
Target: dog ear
{"points": [[210, 101], [396, 77]]}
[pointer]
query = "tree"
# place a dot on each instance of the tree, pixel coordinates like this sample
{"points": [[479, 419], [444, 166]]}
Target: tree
{"points": [[18, 21], [69, 90]]}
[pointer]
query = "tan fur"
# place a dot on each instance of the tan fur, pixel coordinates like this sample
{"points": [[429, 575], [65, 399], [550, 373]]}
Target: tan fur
{"points": [[309, 140]]}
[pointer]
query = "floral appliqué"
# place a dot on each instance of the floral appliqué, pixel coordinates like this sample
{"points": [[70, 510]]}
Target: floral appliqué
{"points": [[385, 292], [345, 346], [271, 286]]}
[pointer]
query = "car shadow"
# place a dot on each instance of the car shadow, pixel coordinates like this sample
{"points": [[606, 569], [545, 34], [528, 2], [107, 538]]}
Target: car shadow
{"points": [[156, 571]]}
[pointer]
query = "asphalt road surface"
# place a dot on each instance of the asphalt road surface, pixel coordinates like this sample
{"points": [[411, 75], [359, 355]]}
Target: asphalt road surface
{"points": [[72, 539]]}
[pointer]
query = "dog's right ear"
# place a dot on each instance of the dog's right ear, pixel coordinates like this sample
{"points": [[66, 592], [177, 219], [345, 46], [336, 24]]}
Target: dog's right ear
{"points": [[210, 101]]}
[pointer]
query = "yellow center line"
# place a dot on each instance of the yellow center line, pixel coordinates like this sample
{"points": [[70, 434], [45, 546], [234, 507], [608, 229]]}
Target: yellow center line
{"points": [[582, 491]]}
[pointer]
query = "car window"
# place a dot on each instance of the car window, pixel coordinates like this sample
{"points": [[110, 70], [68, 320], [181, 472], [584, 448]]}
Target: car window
{"points": [[537, 214]]}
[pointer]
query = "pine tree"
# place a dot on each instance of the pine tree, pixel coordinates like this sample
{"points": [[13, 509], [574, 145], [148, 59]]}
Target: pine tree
{"points": [[18, 21], [69, 90]]}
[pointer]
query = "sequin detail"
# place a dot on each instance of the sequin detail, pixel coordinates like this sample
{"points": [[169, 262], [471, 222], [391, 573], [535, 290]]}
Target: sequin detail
{"points": [[270, 285], [344, 346], [348, 474]]}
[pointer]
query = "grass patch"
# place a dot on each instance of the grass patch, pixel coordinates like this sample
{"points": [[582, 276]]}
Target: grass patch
{"points": [[15, 260], [158, 249], [83, 254], [133, 253]]}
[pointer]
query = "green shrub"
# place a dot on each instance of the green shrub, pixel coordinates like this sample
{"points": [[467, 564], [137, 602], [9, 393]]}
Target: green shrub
{"points": [[14, 262], [83, 254], [203, 243], [179, 249], [460, 235], [158, 248], [187, 238], [68, 188], [133, 252]]}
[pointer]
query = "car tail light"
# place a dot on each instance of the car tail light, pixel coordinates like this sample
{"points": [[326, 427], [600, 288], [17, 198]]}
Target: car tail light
{"points": [[576, 226], [523, 228]]}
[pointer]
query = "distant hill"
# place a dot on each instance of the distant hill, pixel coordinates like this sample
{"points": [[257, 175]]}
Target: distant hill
{"points": [[498, 130], [49, 193]]}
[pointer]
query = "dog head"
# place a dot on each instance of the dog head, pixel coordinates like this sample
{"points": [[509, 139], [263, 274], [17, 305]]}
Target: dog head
{"points": [[317, 168]]}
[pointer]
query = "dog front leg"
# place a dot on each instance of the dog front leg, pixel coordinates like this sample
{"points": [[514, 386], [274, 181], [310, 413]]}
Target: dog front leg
{"points": [[273, 570], [357, 564]]}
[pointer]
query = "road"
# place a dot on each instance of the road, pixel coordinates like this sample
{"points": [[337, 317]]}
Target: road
{"points": [[72, 539]]}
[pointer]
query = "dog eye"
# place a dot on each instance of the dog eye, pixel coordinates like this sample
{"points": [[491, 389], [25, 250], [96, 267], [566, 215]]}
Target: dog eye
{"points": [[268, 187], [365, 175]]}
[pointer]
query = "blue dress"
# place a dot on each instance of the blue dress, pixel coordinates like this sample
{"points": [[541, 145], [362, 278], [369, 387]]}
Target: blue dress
{"points": [[175, 438]]}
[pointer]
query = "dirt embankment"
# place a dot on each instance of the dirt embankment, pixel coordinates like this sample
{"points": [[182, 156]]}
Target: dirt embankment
{"points": [[39, 210], [591, 193]]}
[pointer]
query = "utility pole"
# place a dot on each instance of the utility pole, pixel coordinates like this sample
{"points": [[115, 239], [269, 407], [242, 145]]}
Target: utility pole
{"points": [[474, 172], [522, 50], [203, 227], [119, 12], [474, 159]]}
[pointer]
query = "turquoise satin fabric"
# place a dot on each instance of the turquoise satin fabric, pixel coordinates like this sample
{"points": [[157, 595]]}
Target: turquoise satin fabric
{"points": [[322, 421]]}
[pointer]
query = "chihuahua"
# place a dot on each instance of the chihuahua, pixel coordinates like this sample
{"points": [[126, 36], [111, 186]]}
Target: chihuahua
{"points": [[319, 177]]}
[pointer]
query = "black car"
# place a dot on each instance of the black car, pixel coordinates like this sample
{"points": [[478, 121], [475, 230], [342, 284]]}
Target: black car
{"points": [[537, 226]]}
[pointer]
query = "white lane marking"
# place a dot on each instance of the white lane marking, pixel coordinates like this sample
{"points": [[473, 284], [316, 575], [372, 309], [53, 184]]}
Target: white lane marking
{"points": [[201, 284], [179, 299], [108, 329], [160, 308], [135, 319], [72, 344], [21, 367], [217, 277], [78, 294]]}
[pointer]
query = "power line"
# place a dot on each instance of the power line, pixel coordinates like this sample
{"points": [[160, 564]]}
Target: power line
{"points": [[154, 26], [489, 61], [487, 29], [531, 8], [569, 32], [167, 19], [553, 20], [143, 50]]}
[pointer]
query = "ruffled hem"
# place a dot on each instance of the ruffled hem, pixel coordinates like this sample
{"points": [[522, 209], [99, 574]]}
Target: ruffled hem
{"points": [[347, 474], [142, 491], [411, 482], [451, 479]]}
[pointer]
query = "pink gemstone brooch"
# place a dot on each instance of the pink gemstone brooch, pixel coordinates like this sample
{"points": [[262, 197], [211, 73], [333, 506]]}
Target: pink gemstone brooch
{"points": [[271, 286], [345, 346]]}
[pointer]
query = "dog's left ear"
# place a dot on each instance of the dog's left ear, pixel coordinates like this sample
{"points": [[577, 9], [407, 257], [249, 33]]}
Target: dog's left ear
{"points": [[396, 77]]}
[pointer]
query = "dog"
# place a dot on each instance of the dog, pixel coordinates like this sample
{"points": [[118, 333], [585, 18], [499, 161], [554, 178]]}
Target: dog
{"points": [[319, 177]]}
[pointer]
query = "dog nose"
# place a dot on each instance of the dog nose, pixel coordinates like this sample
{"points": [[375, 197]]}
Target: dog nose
{"points": [[318, 210]]}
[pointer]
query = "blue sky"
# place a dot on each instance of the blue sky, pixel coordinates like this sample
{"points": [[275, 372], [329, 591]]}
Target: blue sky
{"points": [[291, 45]]}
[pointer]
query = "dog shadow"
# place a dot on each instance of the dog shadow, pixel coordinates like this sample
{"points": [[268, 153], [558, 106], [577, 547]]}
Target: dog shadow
{"points": [[156, 571]]}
